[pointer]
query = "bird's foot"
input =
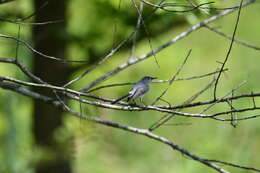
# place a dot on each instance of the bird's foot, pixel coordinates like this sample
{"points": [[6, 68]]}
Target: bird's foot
{"points": [[133, 104]]}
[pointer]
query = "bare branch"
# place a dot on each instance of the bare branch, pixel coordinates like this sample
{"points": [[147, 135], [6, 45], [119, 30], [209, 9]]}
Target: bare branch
{"points": [[145, 28], [131, 129], [144, 132], [138, 26], [237, 119], [192, 77], [111, 53], [229, 50], [230, 38], [19, 21], [228, 93], [163, 6], [31, 23], [195, 96], [168, 117], [184, 34], [22, 68], [235, 165], [40, 53], [63, 94], [75, 96], [157, 81], [173, 78]]}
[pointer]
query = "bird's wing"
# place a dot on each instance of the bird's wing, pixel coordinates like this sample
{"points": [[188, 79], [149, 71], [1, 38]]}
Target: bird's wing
{"points": [[137, 92]]}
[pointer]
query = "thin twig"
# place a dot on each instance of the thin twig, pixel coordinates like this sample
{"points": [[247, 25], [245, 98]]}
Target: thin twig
{"points": [[230, 38], [195, 96], [173, 78], [168, 117], [180, 36], [229, 50], [228, 93], [253, 99], [237, 119], [157, 81], [115, 26], [138, 26], [164, 6], [23, 69], [235, 165], [233, 117], [40, 53], [17, 42], [146, 30], [111, 53], [191, 77], [19, 21], [209, 102], [31, 23], [190, 7], [111, 85]]}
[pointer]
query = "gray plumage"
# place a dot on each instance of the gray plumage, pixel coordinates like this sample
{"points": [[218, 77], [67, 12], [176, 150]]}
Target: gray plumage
{"points": [[139, 89]]}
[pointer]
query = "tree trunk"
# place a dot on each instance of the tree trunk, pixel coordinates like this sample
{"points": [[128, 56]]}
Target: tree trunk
{"points": [[49, 39]]}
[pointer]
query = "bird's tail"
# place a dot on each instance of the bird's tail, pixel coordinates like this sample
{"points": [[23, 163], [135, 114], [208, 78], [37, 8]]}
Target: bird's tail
{"points": [[121, 98]]}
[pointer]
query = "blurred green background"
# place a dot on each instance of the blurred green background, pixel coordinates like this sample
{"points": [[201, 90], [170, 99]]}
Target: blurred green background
{"points": [[90, 34]]}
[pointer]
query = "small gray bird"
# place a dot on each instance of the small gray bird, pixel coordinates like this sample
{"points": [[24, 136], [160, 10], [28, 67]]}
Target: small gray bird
{"points": [[139, 89]]}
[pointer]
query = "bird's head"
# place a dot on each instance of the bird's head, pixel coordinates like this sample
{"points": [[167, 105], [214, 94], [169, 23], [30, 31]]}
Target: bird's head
{"points": [[148, 78]]}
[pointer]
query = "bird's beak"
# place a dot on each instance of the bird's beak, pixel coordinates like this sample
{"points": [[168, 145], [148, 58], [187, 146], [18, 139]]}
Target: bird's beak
{"points": [[154, 78]]}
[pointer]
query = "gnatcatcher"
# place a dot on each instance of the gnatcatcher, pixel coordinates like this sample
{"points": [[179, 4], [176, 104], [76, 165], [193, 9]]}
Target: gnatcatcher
{"points": [[139, 89]]}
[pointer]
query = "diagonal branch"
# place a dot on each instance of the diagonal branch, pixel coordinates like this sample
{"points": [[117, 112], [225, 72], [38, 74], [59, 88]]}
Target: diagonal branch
{"points": [[26, 44], [22, 68], [173, 78], [180, 36], [138, 131], [144, 132], [229, 50], [230, 38]]}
